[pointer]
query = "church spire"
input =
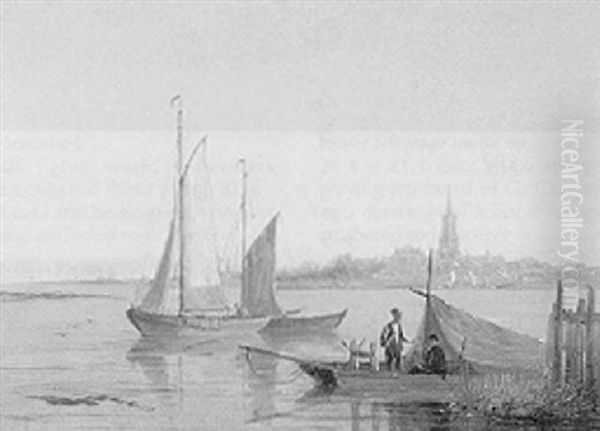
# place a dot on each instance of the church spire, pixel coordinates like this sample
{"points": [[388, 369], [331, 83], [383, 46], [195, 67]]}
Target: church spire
{"points": [[449, 200], [448, 245]]}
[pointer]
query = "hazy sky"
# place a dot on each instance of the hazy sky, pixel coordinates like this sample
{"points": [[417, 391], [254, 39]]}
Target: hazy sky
{"points": [[304, 65], [355, 118]]}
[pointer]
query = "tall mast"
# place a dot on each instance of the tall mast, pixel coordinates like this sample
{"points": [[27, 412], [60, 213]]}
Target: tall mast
{"points": [[427, 326], [243, 210], [176, 101]]}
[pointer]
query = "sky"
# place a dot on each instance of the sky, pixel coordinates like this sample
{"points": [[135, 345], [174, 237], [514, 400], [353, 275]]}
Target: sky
{"points": [[355, 119], [299, 65]]}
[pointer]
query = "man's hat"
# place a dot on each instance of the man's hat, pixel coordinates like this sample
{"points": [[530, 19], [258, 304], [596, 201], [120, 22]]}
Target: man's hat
{"points": [[395, 311]]}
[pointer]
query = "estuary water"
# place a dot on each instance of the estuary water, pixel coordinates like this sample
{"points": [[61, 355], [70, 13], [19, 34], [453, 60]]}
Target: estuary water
{"points": [[70, 360]]}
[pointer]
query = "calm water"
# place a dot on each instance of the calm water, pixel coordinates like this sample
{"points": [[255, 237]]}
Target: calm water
{"points": [[72, 344]]}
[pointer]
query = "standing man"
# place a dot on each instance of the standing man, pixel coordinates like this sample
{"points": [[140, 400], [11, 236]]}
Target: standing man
{"points": [[392, 340]]}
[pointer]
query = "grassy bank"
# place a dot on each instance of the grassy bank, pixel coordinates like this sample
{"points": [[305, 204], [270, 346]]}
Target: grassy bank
{"points": [[527, 398]]}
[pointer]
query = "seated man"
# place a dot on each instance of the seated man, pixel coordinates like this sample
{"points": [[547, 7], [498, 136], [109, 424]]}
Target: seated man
{"points": [[435, 359]]}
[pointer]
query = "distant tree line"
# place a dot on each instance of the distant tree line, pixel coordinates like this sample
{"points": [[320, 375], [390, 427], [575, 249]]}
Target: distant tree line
{"points": [[406, 266]]}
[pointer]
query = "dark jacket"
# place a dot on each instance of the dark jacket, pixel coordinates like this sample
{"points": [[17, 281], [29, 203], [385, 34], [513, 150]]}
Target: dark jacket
{"points": [[435, 360]]}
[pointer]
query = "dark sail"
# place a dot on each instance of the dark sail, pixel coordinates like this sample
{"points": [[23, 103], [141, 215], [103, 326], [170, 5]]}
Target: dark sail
{"points": [[258, 274], [161, 298]]}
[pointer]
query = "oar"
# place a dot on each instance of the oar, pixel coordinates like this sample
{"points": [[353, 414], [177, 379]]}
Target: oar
{"points": [[285, 356]]}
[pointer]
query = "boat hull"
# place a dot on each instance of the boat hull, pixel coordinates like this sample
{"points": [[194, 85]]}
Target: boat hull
{"points": [[401, 387], [196, 326], [304, 324]]}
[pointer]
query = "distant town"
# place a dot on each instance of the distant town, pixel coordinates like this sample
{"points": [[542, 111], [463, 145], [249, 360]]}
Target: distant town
{"points": [[405, 267]]}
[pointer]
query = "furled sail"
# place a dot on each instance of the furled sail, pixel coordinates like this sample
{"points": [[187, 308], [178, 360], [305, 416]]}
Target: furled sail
{"points": [[258, 274], [488, 346]]}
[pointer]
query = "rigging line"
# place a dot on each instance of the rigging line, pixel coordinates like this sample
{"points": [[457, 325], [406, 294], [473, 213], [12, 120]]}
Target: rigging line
{"points": [[211, 215], [227, 248], [187, 165], [232, 249]]}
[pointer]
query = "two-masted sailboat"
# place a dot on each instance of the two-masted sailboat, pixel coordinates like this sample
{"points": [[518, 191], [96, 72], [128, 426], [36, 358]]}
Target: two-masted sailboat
{"points": [[184, 298], [180, 301]]}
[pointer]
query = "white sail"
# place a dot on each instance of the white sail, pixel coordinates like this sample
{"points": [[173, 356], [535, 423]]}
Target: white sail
{"points": [[204, 291], [199, 289]]}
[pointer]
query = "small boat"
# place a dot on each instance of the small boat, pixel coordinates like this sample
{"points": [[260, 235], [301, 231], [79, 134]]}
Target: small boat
{"points": [[258, 284], [302, 324], [341, 378], [473, 347]]}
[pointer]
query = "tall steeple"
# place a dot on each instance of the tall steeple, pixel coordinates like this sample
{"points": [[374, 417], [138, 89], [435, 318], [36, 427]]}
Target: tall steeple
{"points": [[448, 245]]}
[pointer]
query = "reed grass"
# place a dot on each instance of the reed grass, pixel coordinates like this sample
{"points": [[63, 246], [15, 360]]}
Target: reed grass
{"points": [[526, 398]]}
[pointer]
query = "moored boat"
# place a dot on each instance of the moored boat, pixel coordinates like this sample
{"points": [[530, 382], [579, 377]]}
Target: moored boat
{"points": [[305, 324], [185, 297], [258, 297]]}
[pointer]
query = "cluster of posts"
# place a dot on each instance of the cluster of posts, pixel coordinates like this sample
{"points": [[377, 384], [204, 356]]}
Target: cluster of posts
{"points": [[574, 342]]}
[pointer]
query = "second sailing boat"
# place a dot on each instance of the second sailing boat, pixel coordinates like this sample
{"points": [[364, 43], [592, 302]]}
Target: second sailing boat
{"points": [[259, 280]]}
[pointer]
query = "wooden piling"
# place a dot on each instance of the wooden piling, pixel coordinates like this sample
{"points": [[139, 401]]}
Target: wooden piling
{"points": [[573, 351], [557, 336], [589, 336], [374, 361], [353, 354]]}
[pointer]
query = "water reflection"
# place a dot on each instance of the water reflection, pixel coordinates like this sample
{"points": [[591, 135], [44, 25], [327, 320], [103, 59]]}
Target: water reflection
{"points": [[182, 373], [179, 372], [260, 377]]}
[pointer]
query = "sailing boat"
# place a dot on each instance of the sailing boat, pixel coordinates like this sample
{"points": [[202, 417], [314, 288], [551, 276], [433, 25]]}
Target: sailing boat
{"points": [[176, 304], [258, 284]]}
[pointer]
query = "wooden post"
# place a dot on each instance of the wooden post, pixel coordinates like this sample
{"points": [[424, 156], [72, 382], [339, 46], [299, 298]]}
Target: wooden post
{"points": [[566, 345], [428, 314], [580, 341], [177, 102], [353, 354], [557, 356], [373, 356], [589, 336]]}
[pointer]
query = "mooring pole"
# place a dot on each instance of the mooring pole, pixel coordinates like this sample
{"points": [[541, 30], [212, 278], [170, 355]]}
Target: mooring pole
{"points": [[177, 102], [557, 356], [589, 336], [427, 326]]}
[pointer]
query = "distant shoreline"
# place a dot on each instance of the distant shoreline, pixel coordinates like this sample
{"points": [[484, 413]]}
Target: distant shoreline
{"points": [[283, 286]]}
